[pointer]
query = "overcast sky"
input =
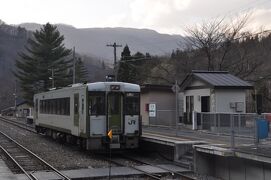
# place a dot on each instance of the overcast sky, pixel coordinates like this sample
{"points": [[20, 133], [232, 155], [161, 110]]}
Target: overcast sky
{"points": [[164, 16]]}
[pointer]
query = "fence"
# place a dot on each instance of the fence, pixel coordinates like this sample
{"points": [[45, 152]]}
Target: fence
{"points": [[241, 128], [163, 118]]}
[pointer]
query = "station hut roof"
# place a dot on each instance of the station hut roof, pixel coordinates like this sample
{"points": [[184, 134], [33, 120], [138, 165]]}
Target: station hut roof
{"points": [[215, 80]]}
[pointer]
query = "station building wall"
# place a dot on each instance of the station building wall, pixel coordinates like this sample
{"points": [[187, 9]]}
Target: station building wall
{"points": [[223, 99], [165, 108]]}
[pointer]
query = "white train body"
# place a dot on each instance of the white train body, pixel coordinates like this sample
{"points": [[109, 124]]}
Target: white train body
{"points": [[85, 113]]}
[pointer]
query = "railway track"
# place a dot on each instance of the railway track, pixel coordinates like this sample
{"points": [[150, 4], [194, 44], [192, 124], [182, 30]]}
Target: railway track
{"points": [[118, 161], [23, 160], [19, 124], [173, 173]]}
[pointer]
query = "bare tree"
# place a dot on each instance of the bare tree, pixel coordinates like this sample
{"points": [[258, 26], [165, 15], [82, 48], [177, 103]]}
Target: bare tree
{"points": [[214, 39]]}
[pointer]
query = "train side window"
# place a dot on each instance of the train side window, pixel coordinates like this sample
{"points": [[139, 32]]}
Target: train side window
{"points": [[41, 106], [83, 101], [67, 112], [51, 106], [62, 106], [47, 106], [54, 106], [58, 106]]}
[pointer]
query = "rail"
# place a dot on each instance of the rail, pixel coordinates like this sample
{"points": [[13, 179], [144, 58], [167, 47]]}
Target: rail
{"points": [[20, 125], [29, 175], [166, 169]]}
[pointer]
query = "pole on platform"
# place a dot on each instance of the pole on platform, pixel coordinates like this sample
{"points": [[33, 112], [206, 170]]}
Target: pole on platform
{"points": [[110, 135], [109, 177], [176, 89]]}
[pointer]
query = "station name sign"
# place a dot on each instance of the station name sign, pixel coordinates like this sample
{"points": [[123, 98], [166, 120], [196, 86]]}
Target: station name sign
{"points": [[152, 110]]}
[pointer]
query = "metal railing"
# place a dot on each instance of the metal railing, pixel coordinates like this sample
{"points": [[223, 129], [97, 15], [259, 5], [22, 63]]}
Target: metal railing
{"points": [[163, 118], [240, 128]]}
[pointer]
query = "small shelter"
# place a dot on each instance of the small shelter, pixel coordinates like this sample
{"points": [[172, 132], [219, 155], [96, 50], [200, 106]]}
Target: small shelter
{"points": [[23, 109], [213, 91], [157, 105]]}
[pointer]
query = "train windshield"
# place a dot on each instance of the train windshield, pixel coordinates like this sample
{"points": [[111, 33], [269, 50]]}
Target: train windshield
{"points": [[131, 104], [96, 103]]}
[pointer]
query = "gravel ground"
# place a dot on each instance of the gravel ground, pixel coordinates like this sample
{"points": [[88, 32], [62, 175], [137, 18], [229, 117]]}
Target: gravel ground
{"points": [[61, 156], [67, 157]]}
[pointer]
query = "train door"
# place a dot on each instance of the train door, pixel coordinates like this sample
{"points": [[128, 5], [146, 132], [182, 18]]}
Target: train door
{"points": [[97, 113], [115, 111], [76, 110], [36, 108], [82, 122]]}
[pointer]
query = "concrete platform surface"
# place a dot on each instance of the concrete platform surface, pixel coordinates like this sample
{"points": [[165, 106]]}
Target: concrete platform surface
{"points": [[104, 172], [6, 174]]}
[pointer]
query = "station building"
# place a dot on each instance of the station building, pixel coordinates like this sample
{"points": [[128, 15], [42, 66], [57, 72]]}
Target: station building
{"points": [[22, 110], [213, 91]]}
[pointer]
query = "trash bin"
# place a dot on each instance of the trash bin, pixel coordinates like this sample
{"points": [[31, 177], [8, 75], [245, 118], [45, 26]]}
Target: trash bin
{"points": [[262, 128], [29, 120]]}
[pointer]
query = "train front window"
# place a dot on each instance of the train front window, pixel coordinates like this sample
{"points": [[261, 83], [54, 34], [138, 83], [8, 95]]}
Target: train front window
{"points": [[131, 104], [96, 104]]}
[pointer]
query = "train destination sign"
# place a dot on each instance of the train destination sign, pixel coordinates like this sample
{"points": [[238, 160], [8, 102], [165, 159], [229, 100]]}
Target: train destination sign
{"points": [[115, 87]]}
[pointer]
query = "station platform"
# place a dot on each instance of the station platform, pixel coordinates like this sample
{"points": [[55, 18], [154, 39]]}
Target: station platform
{"points": [[209, 143], [104, 172], [6, 174]]}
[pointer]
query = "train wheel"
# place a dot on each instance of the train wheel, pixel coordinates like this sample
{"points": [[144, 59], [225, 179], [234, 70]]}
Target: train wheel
{"points": [[83, 144]]}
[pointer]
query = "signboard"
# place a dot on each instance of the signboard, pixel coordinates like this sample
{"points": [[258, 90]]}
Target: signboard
{"points": [[175, 88], [152, 110]]}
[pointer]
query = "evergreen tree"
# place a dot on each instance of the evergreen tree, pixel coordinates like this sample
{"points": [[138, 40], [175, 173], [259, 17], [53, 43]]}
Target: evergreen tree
{"points": [[81, 73], [44, 56], [103, 65], [126, 71]]}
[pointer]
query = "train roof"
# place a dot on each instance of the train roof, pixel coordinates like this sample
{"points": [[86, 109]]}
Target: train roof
{"points": [[100, 86], [106, 86]]}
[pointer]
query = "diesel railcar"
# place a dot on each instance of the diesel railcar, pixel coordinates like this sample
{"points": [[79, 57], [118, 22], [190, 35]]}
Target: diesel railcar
{"points": [[84, 113]]}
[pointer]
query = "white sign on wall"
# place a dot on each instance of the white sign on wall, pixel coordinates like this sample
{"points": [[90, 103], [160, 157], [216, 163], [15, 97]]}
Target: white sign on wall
{"points": [[152, 110]]}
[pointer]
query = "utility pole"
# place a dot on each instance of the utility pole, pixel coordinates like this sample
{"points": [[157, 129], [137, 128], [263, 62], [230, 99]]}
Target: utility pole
{"points": [[115, 56], [52, 77], [15, 98], [73, 68], [175, 88]]}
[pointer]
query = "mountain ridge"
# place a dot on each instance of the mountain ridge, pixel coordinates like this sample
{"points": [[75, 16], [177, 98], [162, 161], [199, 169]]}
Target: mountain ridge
{"points": [[93, 41]]}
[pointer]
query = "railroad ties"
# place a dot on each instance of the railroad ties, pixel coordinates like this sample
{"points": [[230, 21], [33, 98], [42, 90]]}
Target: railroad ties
{"points": [[23, 160]]}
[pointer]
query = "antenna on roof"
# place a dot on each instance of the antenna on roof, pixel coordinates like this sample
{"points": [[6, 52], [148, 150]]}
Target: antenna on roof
{"points": [[110, 78]]}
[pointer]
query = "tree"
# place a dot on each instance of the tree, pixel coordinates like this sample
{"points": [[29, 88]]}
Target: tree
{"points": [[44, 57], [126, 71], [215, 39], [81, 73]]}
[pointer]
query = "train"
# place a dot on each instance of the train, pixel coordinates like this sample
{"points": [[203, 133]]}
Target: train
{"points": [[85, 113]]}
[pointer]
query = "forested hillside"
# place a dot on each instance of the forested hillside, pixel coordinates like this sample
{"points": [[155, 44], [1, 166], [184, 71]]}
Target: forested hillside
{"points": [[12, 41], [248, 58], [243, 54]]}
